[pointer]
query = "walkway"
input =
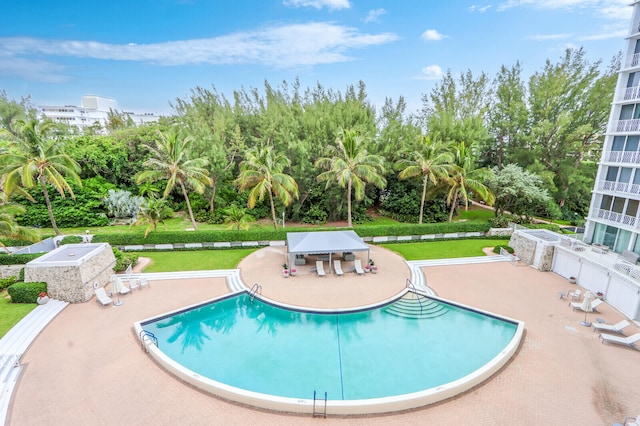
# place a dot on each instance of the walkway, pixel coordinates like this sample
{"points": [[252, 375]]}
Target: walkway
{"points": [[15, 343], [87, 366]]}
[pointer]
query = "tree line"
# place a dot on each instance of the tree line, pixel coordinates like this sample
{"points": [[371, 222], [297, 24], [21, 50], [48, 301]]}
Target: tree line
{"points": [[529, 146]]}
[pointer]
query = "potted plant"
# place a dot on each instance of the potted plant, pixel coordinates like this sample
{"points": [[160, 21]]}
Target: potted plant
{"points": [[292, 272], [373, 267], [285, 270], [43, 298], [572, 280]]}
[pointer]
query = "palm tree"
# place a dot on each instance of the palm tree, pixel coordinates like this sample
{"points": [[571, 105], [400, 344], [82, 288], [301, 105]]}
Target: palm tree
{"points": [[262, 172], [466, 178], [236, 218], [432, 161], [152, 212], [34, 158], [9, 228], [170, 161], [349, 164]]}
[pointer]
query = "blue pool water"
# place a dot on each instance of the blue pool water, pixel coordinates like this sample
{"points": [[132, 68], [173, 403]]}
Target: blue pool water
{"points": [[359, 355]]}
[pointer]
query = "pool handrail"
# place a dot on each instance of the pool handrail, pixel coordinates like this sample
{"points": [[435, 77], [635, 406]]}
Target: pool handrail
{"points": [[410, 286], [254, 290]]}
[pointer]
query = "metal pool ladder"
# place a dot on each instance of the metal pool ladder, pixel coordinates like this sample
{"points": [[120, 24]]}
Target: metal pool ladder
{"points": [[257, 288], [146, 338], [319, 413]]}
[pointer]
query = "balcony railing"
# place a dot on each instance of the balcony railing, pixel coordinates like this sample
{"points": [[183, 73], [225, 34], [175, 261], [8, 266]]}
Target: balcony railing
{"points": [[615, 217], [632, 93], [635, 59], [628, 125], [623, 157], [629, 188]]}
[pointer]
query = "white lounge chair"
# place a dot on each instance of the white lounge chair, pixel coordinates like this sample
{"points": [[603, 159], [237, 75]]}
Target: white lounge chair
{"points": [[134, 283], [320, 268], [627, 341], [144, 283], [594, 304], [119, 287], [101, 296], [632, 421], [337, 267], [614, 328], [358, 264]]}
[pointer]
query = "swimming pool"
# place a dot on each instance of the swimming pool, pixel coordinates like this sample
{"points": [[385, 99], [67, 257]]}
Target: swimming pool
{"points": [[368, 358]]}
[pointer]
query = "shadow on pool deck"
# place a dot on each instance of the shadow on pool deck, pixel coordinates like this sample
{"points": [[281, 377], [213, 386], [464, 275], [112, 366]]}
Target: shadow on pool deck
{"points": [[86, 367]]}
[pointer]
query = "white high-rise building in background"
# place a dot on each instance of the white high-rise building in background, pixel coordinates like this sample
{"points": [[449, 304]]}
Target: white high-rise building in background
{"points": [[613, 216], [94, 109]]}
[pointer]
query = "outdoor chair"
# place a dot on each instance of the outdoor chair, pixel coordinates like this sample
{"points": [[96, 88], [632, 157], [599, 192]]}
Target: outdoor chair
{"points": [[144, 283], [358, 264], [594, 304], [337, 266], [134, 283], [101, 296], [614, 328], [632, 421], [626, 341], [575, 295], [320, 268]]}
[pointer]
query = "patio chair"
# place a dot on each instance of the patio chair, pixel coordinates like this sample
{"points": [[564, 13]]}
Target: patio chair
{"points": [[594, 304], [320, 268], [144, 283], [626, 341], [614, 328], [101, 296], [337, 266], [632, 421], [575, 295], [134, 283], [358, 264]]}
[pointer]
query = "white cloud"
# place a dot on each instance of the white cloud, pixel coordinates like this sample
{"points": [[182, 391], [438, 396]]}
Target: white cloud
{"points": [[606, 35], [479, 9], [284, 46], [432, 35], [549, 4], [431, 72], [319, 4], [33, 69], [373, 15], [546, 37]]}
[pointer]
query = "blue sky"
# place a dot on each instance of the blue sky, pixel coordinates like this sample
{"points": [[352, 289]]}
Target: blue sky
{"points": [[147, 53]]}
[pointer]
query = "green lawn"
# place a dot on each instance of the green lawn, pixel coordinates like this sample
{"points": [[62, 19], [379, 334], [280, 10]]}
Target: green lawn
{"points": [[443, 249], [195, 260], [474, 214], [11, 313]]}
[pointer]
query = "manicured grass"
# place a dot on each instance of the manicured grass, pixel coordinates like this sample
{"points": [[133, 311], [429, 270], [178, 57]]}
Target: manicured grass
{"points": [[11, 313], [443, 249], [474, 214], [200, 260]]}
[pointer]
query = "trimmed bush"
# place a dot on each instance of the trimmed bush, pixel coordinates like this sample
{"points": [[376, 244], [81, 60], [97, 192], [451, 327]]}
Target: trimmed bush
{"points": [[269, 234], [6, 282], [18, 259], [123, 260], [71, 239], [21, 292], [497, 248]]}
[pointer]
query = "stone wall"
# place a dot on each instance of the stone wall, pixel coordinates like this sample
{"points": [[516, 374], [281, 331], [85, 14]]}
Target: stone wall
{"points": [[74, 283], [7, 271], [546, 261], [523, 247]]}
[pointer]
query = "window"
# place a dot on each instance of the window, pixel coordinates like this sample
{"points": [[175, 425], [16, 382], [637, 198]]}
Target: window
{"points": [[632, 143], [612, 174]]}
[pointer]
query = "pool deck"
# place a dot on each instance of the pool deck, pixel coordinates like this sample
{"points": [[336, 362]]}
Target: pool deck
{"points": [[86, 367]]}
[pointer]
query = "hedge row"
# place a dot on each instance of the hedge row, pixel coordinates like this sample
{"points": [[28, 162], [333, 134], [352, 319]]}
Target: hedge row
{"points": [[182, 237], [22, 292], [18, 259]]}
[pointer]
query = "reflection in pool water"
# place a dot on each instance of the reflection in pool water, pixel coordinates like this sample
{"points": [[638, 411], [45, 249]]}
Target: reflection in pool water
{"points": [[356, 355]]}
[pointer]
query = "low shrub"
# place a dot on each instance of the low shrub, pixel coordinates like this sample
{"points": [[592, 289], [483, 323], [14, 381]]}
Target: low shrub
{"points": [[497, 248], [22, 292], [71, 239], [18, 259], [6, 282], [123, 260]]}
